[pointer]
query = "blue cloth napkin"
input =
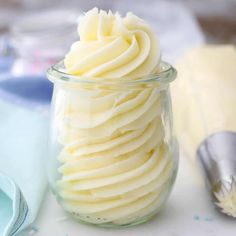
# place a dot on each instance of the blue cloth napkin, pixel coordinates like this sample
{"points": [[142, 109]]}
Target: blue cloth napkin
{"points": [[33, 92], [23, 137]]}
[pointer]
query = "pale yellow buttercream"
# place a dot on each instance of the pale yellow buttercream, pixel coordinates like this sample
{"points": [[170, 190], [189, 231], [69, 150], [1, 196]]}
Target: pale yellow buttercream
{"points": [[115, 162], [111, 46]]}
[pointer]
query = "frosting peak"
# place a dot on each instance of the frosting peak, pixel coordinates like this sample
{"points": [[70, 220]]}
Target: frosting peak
{"points": [[112, 46]]}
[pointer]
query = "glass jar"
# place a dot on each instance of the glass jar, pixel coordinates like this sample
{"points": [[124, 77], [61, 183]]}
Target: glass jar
{"points": [[42, 38], [113, 158]]}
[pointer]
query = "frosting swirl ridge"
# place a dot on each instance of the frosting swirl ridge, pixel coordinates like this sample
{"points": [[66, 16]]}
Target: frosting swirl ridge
{"points": [[134, 47]]}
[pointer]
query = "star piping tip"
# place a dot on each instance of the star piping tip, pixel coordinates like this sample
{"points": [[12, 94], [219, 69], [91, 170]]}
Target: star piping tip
{"points": [[226, 197]]}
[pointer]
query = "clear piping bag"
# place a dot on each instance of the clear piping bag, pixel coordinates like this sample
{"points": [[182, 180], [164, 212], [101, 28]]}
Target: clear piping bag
{"points": [[204, 102]]}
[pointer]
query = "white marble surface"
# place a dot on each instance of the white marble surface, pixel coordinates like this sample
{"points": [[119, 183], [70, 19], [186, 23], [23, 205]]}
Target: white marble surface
{"points": [[188, 212]]}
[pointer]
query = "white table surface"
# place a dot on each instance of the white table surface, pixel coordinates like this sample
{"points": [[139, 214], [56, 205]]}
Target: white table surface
{"points": [[188, 212]]}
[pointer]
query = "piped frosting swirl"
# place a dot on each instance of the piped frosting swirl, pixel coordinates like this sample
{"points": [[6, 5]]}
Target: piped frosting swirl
{"points": [[115, 163], [113, 47]]}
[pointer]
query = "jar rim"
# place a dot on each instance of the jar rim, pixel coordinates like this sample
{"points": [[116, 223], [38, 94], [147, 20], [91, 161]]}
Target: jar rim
{"points": [[166, 74]]}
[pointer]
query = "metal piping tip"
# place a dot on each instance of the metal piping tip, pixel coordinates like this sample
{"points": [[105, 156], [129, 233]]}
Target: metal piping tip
{"points": [[225, 197], [217, 156]]}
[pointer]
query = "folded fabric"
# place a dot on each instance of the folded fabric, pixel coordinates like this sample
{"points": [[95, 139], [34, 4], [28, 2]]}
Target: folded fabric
{"points": [[23, 137], [33, 92]]}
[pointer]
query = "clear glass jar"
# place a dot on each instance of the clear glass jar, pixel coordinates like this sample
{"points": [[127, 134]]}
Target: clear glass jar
{"points": [[42, 38], [113, 158]]}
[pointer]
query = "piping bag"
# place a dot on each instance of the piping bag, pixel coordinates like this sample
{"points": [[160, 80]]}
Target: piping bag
{"points": [[204, 104]]}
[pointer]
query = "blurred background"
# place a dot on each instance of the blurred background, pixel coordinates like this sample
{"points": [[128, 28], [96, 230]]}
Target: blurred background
{"points": [[217, 18], [35, 34]]}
